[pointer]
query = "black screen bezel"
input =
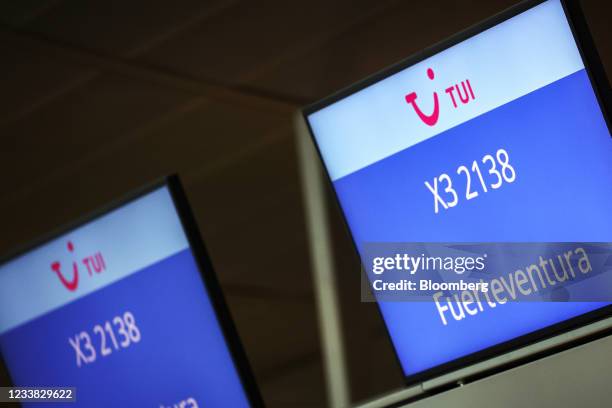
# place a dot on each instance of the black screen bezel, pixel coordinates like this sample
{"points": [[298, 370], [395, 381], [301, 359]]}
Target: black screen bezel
{"points": [[202, 259], [601, 87]]}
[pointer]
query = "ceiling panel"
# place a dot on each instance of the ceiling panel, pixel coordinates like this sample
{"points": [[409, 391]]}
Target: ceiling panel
{"points": [[120, 27], [28, 78], [16, 13], [95, 114], [387, 39], [368, 47], [204, 137], [261, 176], [94, 147], [244, 39]]}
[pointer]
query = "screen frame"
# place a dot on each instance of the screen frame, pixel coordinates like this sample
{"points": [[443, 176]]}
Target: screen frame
{"points": [[601, 87], [207, 273]]}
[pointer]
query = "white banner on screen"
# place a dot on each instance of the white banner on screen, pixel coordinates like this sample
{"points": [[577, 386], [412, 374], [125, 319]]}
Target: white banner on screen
{"points": [[104, 251], [519, 56]]}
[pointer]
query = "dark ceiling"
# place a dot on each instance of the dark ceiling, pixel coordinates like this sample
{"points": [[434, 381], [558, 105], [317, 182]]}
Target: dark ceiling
{"points": [[99, 97]]}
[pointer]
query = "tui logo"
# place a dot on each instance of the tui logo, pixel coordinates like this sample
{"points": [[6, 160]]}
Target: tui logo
{"points": [[431, 119], [412, 97], [70, 280]]}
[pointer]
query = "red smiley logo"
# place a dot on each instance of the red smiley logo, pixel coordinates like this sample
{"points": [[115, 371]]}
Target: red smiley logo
{"points": [[432, 119], [72, 284]]}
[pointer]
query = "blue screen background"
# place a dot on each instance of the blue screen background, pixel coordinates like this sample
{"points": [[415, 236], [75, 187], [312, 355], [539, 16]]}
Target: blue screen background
{"points": [[182, 352], [561, 149]]}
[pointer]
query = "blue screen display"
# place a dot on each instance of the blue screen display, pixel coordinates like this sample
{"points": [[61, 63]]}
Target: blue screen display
{"points": [[499, 138], [117, 308]]}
